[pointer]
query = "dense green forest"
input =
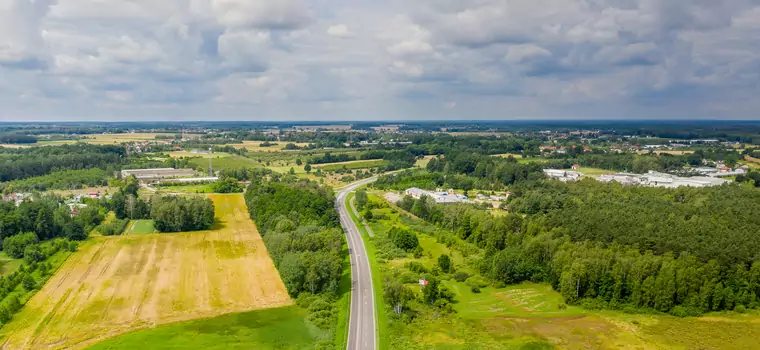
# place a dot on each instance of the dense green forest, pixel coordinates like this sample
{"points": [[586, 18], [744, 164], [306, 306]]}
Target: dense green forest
{"points": [[683, 251], [17, 139], [59, 180], [28, 162], [302, 233]]}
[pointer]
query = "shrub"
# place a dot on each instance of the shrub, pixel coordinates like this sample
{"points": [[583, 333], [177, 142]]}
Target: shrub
{"points": [[740, 309], [32, 254], [14, 246], [444, 262], [416, 267], [685, 311], [28, 282], [562, 306], [476, 281], [461, 276], [403, 239], [475, 289]]}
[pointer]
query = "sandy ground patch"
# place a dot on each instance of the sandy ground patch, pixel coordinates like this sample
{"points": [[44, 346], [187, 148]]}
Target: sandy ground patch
{"points": [[118, 284]]}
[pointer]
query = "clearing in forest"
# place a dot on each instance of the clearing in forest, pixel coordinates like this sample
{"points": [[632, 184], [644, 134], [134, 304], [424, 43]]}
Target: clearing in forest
{"points": [[114, 285]]}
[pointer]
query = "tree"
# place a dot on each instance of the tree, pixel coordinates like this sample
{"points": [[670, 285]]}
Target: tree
{"points": [[444, 262], [307, 168], [28, 282], [397, 295], [14, 246], [44, 225], [227, 185], [292, 171], [361, 199], [430, 292], [299, 162], [368, 214], [403, 239]]}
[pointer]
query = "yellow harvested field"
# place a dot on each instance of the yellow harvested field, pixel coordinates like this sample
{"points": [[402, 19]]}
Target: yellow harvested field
{"points": [[114, 285]]}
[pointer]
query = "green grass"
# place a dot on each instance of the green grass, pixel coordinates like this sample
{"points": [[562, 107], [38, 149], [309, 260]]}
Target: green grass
{"points": [[359, 164], [232, 162], [594, 171], [8, 265], [137, 227], [280, 328]]}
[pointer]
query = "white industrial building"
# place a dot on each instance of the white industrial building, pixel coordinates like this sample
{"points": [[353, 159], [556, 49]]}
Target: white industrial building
{"points": [[438, 196], [563, 175], [656, 179]]}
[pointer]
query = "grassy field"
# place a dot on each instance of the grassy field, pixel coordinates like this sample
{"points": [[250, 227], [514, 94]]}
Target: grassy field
{"points": [[352, 165], [114, 285], [8, 265], [138, 227], [232, 162], [279, 328], [532, 316], [594, 171]]}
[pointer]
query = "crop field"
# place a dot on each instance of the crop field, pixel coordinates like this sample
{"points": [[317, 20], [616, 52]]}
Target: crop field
{"points": [[114, 285]]}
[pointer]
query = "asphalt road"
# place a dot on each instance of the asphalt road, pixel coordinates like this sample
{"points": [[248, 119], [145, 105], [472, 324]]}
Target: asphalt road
{"points": [[361, 323]]}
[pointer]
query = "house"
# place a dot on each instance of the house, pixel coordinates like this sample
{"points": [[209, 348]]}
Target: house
{"points": [[576, 166]]}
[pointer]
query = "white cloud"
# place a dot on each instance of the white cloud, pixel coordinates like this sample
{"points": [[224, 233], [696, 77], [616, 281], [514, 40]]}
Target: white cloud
{"points": [[282, 59], [338, 30]]}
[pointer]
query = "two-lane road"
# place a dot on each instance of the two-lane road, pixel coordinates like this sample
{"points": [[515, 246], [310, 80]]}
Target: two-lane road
{"points": [[361, 323]]}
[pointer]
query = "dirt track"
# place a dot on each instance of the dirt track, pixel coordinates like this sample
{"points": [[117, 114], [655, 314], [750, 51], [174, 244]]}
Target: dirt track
{"points": [[118, 284]]}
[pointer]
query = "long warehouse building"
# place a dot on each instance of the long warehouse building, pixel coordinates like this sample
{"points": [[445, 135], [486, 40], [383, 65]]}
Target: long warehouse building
{"points": [[150, 175]]}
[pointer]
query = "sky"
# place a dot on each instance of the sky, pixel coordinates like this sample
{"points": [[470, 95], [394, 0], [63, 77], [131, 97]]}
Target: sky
{"points": [[143, 60]]}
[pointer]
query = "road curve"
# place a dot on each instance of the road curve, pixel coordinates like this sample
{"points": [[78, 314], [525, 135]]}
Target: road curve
{"points": [[361, 322]]}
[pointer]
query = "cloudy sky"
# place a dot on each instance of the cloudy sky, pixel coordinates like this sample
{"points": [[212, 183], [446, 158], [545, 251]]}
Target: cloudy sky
{"points": [[360, 59]]}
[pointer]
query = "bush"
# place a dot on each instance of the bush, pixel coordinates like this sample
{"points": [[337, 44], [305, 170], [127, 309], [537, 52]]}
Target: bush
{"points": [[28, 282], [115, 227], [475, 289], [562, 306], [685, 311], [14, 246], [740, 309], [476, 281], [32, 254], [416, 267], [404, 239], [227, 185], [461, 276], [444, 262]]}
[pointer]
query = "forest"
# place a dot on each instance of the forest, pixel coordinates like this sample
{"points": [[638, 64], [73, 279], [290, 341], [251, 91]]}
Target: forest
{"points": [[28, 162], [683, 251], [302, 233]]}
